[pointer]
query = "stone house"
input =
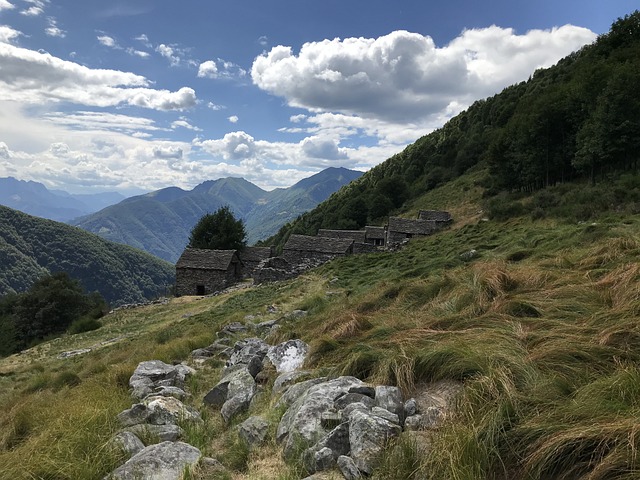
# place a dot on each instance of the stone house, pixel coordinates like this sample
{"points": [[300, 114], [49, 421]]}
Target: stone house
{"points": [[401, 229], [251, 258], [301, 248], [357, 236], [375, 235], [202, 272], [435, 215]]}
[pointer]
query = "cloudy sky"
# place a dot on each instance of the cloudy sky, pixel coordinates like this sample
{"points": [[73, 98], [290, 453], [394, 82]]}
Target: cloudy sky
{"points": [[142, 94]]}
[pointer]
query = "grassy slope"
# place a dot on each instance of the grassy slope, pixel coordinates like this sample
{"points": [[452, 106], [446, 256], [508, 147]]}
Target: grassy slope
{"points": [[541, 326]]}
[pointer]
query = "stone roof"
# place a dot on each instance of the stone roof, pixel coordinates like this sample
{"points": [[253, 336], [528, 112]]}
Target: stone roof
{"points": [[206, 259], [255, 254], [436, 215], [374, 232], [318, 244], [355, 235], [413, 227]]}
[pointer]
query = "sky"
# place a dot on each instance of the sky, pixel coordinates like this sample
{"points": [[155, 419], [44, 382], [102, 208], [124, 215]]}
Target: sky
{"points": [[139, 95]]}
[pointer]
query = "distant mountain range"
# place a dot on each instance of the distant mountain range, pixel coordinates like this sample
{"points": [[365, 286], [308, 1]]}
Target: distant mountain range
{"points": [[31, 247], [35, 199], [160, 222]]}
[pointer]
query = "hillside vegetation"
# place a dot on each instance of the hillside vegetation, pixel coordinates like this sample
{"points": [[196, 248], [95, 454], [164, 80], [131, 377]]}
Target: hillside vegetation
{"points": [[32, 247], [539, 324], [578, 120]]}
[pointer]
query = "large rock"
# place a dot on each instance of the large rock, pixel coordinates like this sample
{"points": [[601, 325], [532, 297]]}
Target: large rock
{"points": [[348, 468], [336, 443], [163, 461], [169, 411], [303, 420], [162, 433], [390, 398], [254, 430], [288, 356], [148, 375], [368, 436], [152, 375], [294, 392], [233, 393], [127, 442], [244, 351]]}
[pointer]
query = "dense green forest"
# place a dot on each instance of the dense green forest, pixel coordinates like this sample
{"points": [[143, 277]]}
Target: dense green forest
{"points": [[576, 121], [32, 247], [52, 305]]}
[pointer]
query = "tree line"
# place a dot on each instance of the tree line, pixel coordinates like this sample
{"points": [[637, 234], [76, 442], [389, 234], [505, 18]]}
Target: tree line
{"points": [[577, 119]]}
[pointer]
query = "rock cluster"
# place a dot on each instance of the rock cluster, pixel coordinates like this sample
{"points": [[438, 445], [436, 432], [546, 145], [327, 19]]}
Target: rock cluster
{"points": [[340, 422], [158, 388]]}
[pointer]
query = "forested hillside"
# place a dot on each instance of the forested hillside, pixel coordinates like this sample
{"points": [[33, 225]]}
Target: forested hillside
{"points": [[31, 247], [579, 119]]}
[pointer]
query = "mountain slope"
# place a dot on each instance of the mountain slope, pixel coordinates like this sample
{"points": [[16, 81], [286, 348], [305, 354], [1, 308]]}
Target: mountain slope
{"points": [[31, 247], [35, 199], [577, 120], [160, 222]]}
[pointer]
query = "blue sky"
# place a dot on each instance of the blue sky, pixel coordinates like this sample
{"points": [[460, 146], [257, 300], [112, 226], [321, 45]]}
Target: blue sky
{"points": [[143, 94]]}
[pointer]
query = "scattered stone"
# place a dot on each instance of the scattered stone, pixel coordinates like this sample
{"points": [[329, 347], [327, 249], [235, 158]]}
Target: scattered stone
{"points": [[296, 314], [135, 415], [176, 392], [284, 380], [266, 326], [368, 435], [352, 407], [164, 433], [390, 398], [302, 421], [348, 468], [127, 442], [150, 374], [323, 459], [345, 400], [470, 255], [410, 407], [288, 356], [245, 350], [254, 430], [386, 414], [74, 353], [169, 411], [232, 329], [330, 419], [295, 391], [164, 461]]}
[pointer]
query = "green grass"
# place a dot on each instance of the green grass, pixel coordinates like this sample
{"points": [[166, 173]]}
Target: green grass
{"points": [[541, 327]]}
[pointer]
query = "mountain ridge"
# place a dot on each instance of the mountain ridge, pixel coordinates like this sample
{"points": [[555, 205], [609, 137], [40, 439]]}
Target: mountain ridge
{"points": [[160, 222]]}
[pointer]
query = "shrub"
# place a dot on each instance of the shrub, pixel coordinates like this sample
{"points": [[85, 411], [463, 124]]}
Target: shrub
{"points": [[84, 324]]}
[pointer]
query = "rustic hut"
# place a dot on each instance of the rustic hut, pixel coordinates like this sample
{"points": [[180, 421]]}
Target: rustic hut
{"points": [[320, 249], [201, 272], [357, 236], [400, 229], [435, 215], [375, 235], [251, 258]]}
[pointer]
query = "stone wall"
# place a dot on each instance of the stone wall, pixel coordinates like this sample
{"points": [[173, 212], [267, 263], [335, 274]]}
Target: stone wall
{"points": [[188, 280]]}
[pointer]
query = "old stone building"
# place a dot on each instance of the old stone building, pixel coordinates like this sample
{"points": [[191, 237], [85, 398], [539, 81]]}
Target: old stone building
{"points": [[303, 247], [357, 236], [251, 258], [202, 272], [401, 229], [375, 235], [439, 216]]}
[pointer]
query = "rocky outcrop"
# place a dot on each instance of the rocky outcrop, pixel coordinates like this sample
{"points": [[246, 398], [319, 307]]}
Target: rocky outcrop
{"points": [[163, 461]]}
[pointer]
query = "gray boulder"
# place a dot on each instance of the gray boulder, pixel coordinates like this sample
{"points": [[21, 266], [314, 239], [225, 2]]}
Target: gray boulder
{"points": [[368, 436], [254, 430], [348, 468], [236, 381], [127, 442], [169, 411], [150, 374], [390, 398], [294, 392], [288, 356], [163, 461], [163, 433], [285, 380], [336, 442], [244, 351], [302, 421]]}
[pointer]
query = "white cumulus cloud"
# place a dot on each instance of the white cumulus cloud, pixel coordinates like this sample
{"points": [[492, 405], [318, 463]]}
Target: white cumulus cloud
{"points": [[208, 69], [404, 76], [7, 34], [107, 41], [233, 119], [5, 5], [34, 77]]}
